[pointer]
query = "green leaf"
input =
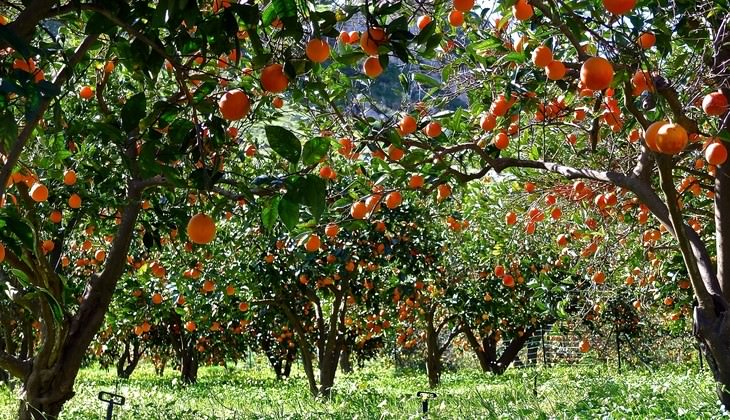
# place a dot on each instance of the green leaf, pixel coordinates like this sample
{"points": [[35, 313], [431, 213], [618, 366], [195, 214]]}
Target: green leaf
{"points": [[313, 190], [134, 111], [270, 213], [8, 131], [314, 150], [284, 142], [288, 210], [426, 80]]}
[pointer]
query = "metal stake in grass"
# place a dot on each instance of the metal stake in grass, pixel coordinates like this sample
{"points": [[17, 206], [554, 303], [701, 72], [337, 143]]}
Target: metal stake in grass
{"points": [[112, 400], [425, 397]]}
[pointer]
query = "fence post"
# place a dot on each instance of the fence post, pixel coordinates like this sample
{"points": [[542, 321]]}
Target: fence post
{"points": [[618, 350], [544, 355]]}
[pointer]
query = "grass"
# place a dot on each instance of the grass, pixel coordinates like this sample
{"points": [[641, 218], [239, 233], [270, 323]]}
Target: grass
{"points": [[585, 391]]}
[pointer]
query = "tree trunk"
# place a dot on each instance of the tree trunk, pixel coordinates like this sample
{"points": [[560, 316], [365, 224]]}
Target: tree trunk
{"points": [[433, 353], [129, 360], [189, 364], [345, 362]]}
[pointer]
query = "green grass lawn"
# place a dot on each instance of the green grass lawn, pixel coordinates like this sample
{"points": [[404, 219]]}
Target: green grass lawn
{"points": [[379, 391]]}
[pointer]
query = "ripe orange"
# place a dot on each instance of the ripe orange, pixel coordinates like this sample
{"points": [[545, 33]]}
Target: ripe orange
{"points": [[86, 93], [463, 5], [619, 7], [562, 240], [2, 252], [716, 153], [501, 141], [313, 243], [277, 102], [358, 210], [646, 40], [371, 40], [100, 255], [510, 218], [56, 216], [488, 122], [456, 18], [715, 103], [508, 280], [326, 172], [599, 277], [201, 229], [443, 191], [331, 230], [109, 67], [522, 10], [542, 56], [190, 326], [318, 50], [273, 78], [596, 73], [584, 346], [395, 153], [393, 199], [234, 105], [671, 139], [416, 181], [650, 135], [39, 192], [423, 21], [344, 37], [432, 129], [555, 70], [156, 298], [408, 124], [371, 67], [208, 286], [243, 306]]}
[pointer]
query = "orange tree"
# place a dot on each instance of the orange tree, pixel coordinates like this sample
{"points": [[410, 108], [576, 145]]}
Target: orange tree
{"points": [[582, 90]]}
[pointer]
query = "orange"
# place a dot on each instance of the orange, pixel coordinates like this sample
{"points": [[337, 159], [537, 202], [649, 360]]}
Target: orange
{"points": [[671, 139], [522, 10], [277, 103], [584, 346], [463, 5], [201, 229], [100, 255], [508, 280], [646, 40], [69, 177], [190, 326], [443, 191], [393, 199], [86, 93], [358, 210], [598, 277], [2, 252], [456, 18], [243, 307], [542, 56], [234, 105], [488, 122], [715, 103], [555, 70], [39, 192], [716, 153], [416, 181], [331, 230], [313, 243], [344, 37], [56, 216], [156, 298], [423, 21], [326, 172], [318, 50], [501, 141], [596, 73], [371, 67], [395, 153], [27, 66], [408, 124], [650, 135], [371, 40], [619, 7], [432, 129], [208, 286], [273, 78], [510, 218]]}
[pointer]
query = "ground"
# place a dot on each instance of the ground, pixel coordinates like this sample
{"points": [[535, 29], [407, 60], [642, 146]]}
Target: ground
{"points": [[588, 390]]}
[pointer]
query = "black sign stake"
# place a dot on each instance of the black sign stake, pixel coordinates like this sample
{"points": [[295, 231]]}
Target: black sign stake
{"points": [[112, 400], [425, 396]]}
